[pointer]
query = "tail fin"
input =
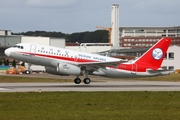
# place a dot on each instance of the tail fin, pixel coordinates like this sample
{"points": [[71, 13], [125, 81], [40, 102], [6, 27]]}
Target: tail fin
{"points": [[155, 55]]}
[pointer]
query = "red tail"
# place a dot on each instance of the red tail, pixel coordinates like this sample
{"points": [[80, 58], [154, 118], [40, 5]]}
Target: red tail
{"points": [[155, 55]]}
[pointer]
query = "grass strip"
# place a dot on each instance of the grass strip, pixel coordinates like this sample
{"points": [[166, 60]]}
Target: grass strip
{"points": [[18, 79], [90, 106]]}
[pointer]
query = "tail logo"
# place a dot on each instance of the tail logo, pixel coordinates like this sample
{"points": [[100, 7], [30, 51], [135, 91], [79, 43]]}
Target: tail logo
{"points": [[157, 53]]}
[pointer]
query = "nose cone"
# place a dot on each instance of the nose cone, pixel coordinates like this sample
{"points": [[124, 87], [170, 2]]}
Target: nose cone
{"points": [[7, 52]]}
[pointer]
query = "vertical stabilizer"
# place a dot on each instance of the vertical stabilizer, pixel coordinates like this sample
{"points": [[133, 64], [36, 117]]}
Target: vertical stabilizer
{"points": [[155, 55]]}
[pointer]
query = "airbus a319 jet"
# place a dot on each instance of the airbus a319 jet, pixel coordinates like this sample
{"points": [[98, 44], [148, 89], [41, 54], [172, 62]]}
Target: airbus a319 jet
{"points": [[67, 62]]}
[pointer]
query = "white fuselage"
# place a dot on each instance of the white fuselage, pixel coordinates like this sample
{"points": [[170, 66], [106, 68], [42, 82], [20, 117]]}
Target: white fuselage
{"points": [[51, 56]]}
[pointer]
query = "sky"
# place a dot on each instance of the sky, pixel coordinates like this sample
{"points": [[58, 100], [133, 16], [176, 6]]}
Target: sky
{"points": [[71, 16]]}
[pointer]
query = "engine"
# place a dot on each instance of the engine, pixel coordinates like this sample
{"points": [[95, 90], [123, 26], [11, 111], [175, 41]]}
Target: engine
{"points": [[68, 69], [53, 71]]}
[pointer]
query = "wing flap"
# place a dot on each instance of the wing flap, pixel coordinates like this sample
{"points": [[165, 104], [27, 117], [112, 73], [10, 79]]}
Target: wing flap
{"points": [[103, 64]]}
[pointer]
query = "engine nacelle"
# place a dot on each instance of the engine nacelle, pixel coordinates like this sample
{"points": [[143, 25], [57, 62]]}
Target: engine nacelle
{"points": [[53, 71], [68, 69]]}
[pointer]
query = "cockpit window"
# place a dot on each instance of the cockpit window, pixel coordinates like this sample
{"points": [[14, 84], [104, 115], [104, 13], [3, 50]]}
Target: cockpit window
{"points": [[18, 46]]}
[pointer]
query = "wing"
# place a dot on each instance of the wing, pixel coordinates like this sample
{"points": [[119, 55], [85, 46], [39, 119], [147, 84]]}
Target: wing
{"points": [[91, 66], [106, 64], [95, 65]]}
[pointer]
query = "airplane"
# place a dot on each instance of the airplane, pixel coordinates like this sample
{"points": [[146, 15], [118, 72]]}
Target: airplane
{"points": [[62, 61]]}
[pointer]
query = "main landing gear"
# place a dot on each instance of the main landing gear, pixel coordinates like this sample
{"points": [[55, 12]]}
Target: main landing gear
{"points": [[78, 80], [86, 80]]}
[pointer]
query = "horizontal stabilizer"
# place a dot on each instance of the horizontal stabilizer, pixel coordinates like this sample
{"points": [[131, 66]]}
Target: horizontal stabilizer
{"points": [[157, 71]]}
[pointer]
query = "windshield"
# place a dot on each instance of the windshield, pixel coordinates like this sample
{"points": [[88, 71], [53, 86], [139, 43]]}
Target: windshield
{"points": [[18, 46]]}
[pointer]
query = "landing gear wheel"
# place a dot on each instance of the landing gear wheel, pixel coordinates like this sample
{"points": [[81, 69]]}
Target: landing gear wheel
{"points": [[86, 81], [27, 72], [77, 80]]}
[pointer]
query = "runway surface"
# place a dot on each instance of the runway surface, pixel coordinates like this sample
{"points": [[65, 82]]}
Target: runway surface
{"points": [[94, 86]]}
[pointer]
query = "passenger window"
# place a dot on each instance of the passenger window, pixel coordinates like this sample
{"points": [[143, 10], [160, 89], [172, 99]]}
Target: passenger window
{"points": [[22, 47]]}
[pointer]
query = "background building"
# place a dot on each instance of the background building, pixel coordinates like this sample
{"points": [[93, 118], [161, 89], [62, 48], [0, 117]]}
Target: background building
{"points": [[172, 58], [5, 32], [138, 37]]}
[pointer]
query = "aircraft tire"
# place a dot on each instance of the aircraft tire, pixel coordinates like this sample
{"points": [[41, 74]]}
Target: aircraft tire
{"points": [[28, 72], [77, 80], [87, 80]]}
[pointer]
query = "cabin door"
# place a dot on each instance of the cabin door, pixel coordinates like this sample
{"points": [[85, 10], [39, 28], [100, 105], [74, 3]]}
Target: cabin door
{"points": [[33, 49]]}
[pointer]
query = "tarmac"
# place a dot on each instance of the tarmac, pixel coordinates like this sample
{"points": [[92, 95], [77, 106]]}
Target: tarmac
{"points": [[97, 84], [94, 86]]}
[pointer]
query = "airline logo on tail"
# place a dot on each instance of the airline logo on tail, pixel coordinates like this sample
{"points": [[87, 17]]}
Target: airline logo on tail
{"points": [[157, 53]]}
